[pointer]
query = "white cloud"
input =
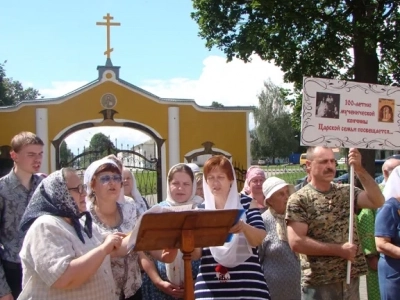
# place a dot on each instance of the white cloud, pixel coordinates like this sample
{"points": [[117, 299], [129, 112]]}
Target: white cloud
{"points": [[233, 83], [60, 88]]}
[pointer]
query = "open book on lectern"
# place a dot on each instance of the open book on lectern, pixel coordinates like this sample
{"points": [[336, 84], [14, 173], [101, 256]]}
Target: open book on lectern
{"points": [[157, 209]]}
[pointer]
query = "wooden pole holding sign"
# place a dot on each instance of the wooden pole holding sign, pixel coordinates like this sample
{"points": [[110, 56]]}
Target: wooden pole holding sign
{"points": [[351, 221]]}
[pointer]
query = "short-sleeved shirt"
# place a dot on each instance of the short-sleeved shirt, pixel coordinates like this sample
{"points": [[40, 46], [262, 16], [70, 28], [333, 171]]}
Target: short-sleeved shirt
{"points": [[327, 216], [14, 198], [245, 281], [49, 247], [387, 224]]}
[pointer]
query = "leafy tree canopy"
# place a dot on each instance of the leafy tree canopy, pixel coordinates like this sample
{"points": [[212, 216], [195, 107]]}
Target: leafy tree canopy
{"points": [[12, 91], [273, 136], [308, 38], [346, 39], [101, 143], [216, 104]]}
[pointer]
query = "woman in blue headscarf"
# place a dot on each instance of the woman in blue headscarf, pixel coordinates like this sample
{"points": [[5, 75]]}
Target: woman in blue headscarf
{"points": [[62, 256]]}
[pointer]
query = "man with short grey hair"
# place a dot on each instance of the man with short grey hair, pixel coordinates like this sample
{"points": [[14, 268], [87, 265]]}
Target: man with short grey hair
{"points": [[318, 223]]}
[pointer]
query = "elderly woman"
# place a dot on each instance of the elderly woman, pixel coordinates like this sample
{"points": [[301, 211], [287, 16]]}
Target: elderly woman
{"points": [[387, 239], [104, 184], [62, 256], [231, 271], [280, 265], [131, 190], [255, 178], [167, 282]]}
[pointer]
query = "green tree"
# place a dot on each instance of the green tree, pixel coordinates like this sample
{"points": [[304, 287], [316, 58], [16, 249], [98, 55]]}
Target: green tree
{"points": [[309, 37], [273, 136], [65, 153], [2, 87], [101, 143], [12, 91], [216, 104]]}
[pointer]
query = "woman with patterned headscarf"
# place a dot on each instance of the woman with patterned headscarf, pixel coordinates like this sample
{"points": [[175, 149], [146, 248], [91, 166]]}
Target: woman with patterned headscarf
{"points": [[62, 256]]}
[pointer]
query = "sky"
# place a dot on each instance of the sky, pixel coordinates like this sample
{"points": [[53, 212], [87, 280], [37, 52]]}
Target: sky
{"points": [[55, 47]]}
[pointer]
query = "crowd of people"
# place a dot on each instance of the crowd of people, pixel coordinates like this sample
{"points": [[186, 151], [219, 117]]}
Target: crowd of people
{"points": [[66, 238]]}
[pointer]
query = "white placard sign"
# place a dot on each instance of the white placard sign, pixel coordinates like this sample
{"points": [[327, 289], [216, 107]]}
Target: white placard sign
{"points": [[349, 114]]}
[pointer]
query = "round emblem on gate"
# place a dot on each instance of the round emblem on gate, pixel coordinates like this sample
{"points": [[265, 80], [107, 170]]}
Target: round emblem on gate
{"points": [[108, 101]]}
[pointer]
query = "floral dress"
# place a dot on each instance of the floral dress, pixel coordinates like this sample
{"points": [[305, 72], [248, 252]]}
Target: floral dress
{"points": [[126, 270]]}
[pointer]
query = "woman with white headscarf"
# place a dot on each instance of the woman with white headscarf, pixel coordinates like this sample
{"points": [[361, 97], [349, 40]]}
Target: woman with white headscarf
{"points": [[387, 239], [168, 282], [104, 185], [63, 256], [231, 271], [131, 190]]}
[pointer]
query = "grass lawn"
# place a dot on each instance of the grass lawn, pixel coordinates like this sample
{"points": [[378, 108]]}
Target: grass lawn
{"points": [[290, 167], [146, 182], [291, 177], [280, 167]]}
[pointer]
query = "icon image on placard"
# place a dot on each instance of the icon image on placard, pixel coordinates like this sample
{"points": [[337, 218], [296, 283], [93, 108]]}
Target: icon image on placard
{"points": [[327, 105], [386, 110]]}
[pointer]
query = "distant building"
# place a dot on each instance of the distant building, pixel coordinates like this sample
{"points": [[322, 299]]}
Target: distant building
{"points": [[200, 160], [148, 149]]}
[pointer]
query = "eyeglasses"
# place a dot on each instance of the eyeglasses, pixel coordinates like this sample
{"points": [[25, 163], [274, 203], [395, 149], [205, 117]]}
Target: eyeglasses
{"points": [[82, 188], [105, 179]]}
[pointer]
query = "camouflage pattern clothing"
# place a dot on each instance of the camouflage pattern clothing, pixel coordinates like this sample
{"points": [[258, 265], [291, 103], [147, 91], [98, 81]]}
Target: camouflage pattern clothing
{"points": [[327, 217]]}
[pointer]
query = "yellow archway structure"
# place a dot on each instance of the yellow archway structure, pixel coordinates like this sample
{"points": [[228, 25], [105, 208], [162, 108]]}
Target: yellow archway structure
{"points": [[178, 126]]}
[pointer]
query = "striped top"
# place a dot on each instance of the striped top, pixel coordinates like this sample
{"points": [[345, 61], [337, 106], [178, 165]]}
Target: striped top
{"points": [[245, 281]]}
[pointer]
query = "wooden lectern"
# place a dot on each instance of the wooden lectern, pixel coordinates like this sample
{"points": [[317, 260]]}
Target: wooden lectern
{"points": [[185, 230]]}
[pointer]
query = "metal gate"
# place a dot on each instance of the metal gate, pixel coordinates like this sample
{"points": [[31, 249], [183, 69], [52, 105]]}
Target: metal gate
{"points": [[147, 171]]}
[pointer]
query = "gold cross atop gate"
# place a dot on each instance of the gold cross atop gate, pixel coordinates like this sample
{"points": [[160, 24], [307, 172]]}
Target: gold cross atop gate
{"points": [[108, 18]]}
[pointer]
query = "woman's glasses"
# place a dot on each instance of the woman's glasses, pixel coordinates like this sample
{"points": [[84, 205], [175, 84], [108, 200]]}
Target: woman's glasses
{"points": [[80, 188], [105, 179]]}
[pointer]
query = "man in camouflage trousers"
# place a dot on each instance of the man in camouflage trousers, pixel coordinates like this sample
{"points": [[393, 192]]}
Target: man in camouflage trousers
{"points": [[318, 227]]}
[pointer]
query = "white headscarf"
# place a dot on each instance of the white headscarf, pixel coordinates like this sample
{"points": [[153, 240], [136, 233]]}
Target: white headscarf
{"points": [[195, 168], [392, 185], [238, 250], [193, 198], [89, 173], [140, 204], [175, 270]]}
